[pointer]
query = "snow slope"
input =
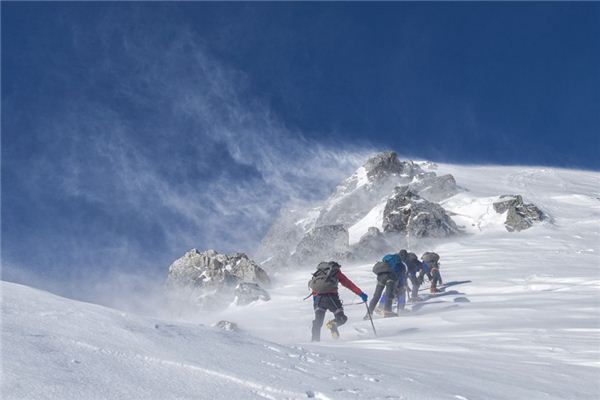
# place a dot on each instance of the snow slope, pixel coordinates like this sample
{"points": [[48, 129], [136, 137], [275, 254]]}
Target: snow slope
{"points": [[524, 324], [56, 348]]}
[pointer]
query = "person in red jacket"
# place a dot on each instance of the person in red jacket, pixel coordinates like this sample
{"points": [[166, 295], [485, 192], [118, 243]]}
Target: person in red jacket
{"points": [[324, 286]]}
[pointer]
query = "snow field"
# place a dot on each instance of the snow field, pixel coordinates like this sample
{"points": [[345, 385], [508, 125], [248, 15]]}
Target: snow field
{"points": [[524, 324]]}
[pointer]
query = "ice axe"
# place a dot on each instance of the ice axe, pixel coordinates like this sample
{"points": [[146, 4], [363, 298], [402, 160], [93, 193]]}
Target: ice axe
{"points": [[370, 318]]}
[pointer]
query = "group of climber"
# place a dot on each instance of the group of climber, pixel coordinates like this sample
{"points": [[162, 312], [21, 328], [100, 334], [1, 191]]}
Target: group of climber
{"points": [[393, 273]]}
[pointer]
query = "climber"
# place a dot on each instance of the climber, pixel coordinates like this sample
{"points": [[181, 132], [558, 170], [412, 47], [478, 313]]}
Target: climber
{"points": [[324, 286], [431, 268], [413, 267], [390, 272]]}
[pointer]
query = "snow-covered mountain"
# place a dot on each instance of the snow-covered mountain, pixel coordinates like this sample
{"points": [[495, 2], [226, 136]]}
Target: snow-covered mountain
{"points": [[521, 322], [381, 207]]}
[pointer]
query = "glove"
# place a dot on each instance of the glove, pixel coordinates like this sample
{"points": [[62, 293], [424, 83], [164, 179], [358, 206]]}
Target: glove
{"points": [[363, 296]]}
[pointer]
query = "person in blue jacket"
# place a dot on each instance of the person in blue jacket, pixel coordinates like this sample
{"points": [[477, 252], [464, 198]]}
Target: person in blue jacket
{"points": [[390, 272]]}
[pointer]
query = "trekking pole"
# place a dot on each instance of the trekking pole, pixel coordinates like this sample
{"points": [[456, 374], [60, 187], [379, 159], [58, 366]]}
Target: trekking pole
{"points": [[370, 318]]}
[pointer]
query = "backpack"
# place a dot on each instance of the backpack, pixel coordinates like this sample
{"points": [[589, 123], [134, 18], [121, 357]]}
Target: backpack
{"points": [[431, 258], [381, 267], [412, 263], [325, 280]]}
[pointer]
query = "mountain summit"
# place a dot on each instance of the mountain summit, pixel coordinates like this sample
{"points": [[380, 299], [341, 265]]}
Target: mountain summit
{"points": [[357, 208]]}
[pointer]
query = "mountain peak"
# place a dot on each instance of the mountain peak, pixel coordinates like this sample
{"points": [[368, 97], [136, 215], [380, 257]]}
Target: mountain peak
{"points": [[383, 164], [387, 164]]}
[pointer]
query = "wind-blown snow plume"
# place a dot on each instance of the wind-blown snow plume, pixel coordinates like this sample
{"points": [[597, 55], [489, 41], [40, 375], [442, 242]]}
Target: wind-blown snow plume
{"points": [[163, 149]]}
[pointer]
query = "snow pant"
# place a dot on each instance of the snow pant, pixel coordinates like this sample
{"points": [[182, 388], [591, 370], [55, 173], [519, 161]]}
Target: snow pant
{"points": [[422, 276], [389, 282], [401, 292], [321, 304], [414, 293], [436, 278]]}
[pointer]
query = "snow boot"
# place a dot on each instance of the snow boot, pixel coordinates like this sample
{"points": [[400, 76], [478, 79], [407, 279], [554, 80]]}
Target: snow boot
{"points": [[415, 299], [332, 326], [389, 314]]}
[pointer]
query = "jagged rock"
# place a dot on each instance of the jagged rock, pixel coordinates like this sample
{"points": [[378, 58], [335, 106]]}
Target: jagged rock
{"points": [[434, 188], [384, 164], [371, 244], [227, 326], [408, 213], [365, 188], [247, 292], [520, 216], [247, 270], [329, 242], [208, 279]]}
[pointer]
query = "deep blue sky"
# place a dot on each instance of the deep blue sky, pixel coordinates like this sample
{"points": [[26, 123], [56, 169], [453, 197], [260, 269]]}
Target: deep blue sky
{"points": [[131, 132]]}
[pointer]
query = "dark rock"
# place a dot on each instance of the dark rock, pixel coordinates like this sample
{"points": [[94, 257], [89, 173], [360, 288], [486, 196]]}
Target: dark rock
{"points": [[408, 213], [208, 279], [248, 292], [383, 165], [435, 188], [227, 326], [519, 215]]}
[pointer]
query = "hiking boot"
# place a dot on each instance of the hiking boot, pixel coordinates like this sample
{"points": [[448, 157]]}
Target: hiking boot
{"points": [[332, 326], [389, 314]]}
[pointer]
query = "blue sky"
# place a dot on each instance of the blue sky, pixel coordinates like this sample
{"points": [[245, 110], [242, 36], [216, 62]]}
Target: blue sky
{"points": [[132, 132]]}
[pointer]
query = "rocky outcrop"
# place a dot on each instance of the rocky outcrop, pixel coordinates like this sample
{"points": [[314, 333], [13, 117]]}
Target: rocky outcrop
{"points": [[371, 244], [208, 279], [408, 213], [248, 292], [329, 242], [434, 188], [227, 326], [295, 237], [519, 215], [386, 164], [360, 192]]}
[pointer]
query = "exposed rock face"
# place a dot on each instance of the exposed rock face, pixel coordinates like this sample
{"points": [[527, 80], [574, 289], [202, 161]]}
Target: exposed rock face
{"points": [[248, 292], [386, 164], [408, 213], [520, 216], [227, 326], [322, 243], [208, 279], [359, 193], [435, 188], [372, 244]]}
